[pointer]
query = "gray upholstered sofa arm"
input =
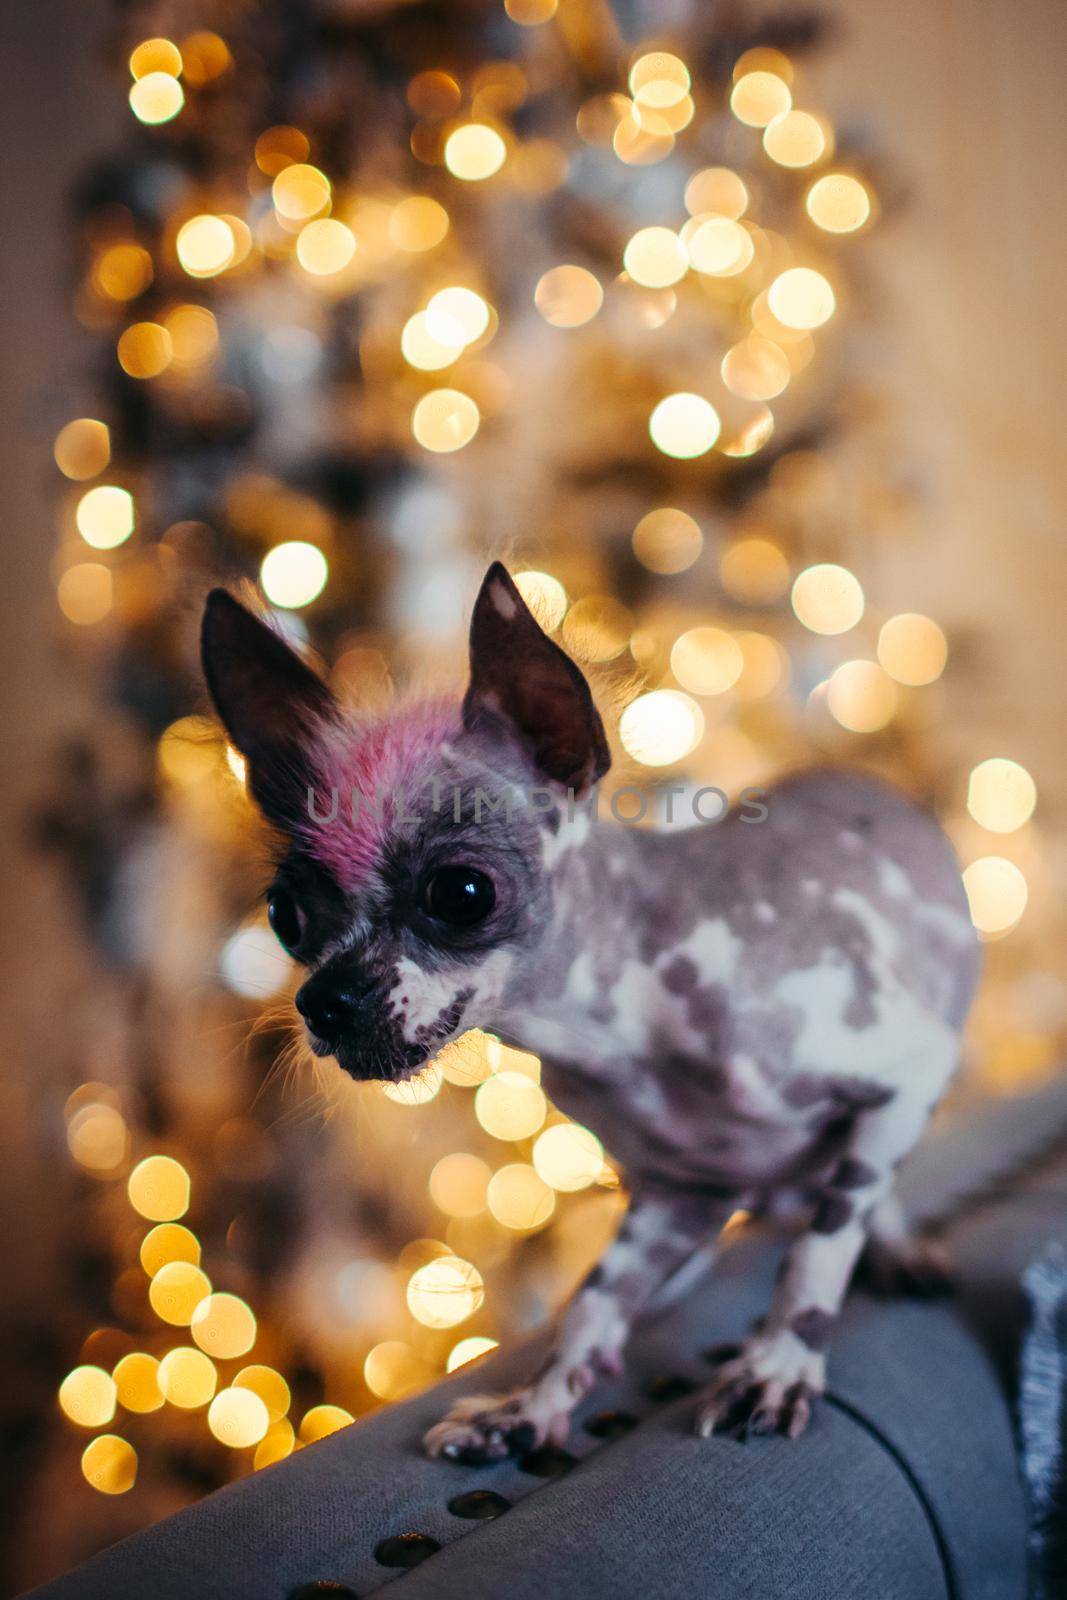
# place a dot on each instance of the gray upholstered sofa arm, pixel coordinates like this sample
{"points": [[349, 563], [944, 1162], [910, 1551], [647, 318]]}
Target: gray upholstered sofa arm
{"points": [[905, 1488]]}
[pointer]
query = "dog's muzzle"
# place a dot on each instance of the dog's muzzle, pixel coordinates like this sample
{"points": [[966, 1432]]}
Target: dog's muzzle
{"points": [[347, 1017]]}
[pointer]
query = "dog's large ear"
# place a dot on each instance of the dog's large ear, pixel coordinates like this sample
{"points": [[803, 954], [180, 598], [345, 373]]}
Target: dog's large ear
{"points": [[519, 675], [271, 704]]}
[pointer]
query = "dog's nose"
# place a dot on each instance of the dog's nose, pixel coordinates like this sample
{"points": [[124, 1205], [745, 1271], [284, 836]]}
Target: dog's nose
{"points": [[330, 1004]]}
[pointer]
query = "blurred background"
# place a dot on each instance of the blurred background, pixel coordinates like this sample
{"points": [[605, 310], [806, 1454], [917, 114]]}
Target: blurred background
{"points": [[736, 331]]}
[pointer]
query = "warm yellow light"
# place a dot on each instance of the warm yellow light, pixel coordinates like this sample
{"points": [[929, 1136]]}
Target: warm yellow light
{"points": [[325, 247], [597, 628], [862, 697], [751, 435], [766, 666], [453, 308], [251, 963], [684, 425], [800, 297], [145, 350], [97, 1137], [445, 420], [706, 660], [270, 1386], [545, 596], [828, 598], [279, 1442], [137, 1382], [655, 258], [838, 203], [795, 139], [421, 349], [755, 369], [417, 1090], [279, 147], [187, 1378], [176, 1290], [716, 189], [205, 56], [300, 192], [662, 727], [87, 1396], [659, 80], [568, 1157], [85, 593], [1001, 795], [510, 1105], [109, 1464], [158, 1188], [122, 271], [642, 137], [205, 245], [568, 296], [321, 1421], [474, 152], [519, 1198], [667, 540], [194, 335], [444, 1292], [156, 98], [758, 97], [530, 13], [156, 55], [223, 1326], [754, 571], [996, 892], [763, 58], [466, 1061], [912, 648], [82, 448], [718, 247], [238, 1418], [392, 1370], [418, 223], [458, 1183], [293, 574], [469, 1350]]}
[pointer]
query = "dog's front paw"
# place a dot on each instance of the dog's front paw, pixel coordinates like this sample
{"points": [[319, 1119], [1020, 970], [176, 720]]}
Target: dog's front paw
{"points": [[482, 1428], [768, 1387]]}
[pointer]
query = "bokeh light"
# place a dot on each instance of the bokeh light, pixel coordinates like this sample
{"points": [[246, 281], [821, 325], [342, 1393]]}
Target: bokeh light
{"points": [[717, 246], [166, 1242], [270, 1386], [85, 593], [176, 1291], [838, 203], [301, 192], [88, 1396], [519, 1198], [223, 1326], [293, 574], [145, 350], [997, 893], [445, 420], [755, 571], [755, 369], [655, 258], [466, 1350], [458, 1184], [156, 98], [156, 55], [187, 1378], [828, 598], [445, 1292], [661, 727], [158, 1188], [758, 97], [82, 448], [1001, 795], [716, 189], [137, 1382], [568, 1157], [861, 696], [800, 297], [795, 139], [568, 296], [205, 246], [457, 308], [238, 1418], [706, 660], [667, 540], [325, 246], [474, 152], [510, 1106], [109, 1464], [418, 223], [321, 1421], [912, 648], [253, 963], [684, 425], [545, 596]]}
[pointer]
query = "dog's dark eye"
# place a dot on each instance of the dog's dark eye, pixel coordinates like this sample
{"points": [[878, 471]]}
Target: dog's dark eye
{"points": [[458, 896], [285, 917]]}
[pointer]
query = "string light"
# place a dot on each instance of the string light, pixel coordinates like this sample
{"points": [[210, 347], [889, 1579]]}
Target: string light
{"points": [[293, 574], [1001, 795], [109, 1464], [474, 152], [684, 426]]}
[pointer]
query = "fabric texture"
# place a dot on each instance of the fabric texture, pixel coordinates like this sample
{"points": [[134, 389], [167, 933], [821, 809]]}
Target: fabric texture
{"points": [[907, 1483]]}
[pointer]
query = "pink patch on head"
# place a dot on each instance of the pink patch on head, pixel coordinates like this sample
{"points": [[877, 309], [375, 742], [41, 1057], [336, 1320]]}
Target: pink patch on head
{"points": [[388, 765]]}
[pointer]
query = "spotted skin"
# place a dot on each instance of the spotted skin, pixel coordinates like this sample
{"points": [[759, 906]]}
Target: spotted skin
{"points": [[741, 1012]]}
